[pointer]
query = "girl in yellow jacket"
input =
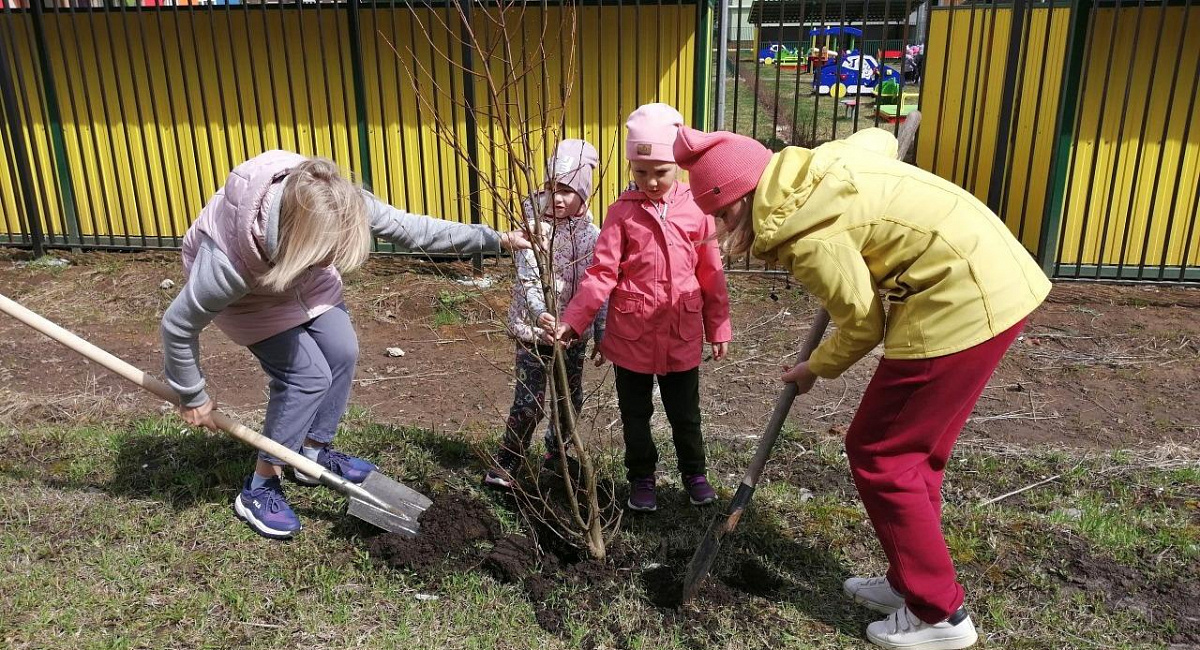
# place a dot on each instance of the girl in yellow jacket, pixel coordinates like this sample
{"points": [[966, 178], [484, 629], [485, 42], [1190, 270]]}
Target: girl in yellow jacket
{"points": [[862, 230]]}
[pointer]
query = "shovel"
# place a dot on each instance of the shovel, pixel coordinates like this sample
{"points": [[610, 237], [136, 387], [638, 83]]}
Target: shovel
{"points": [[723, 524], [378, 500]]}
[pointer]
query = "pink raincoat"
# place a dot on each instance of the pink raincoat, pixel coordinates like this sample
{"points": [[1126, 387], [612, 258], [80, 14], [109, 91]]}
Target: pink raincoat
{"points": [[667, 289]]}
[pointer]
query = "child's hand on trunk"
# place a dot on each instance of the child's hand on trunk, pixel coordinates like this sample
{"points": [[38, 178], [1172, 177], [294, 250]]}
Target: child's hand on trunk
{"points": [[556, 332], [564, 333], [548, 323], [199, 416]]}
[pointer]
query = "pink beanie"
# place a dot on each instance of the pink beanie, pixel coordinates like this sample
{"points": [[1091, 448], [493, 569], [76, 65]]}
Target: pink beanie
{"points": [[572, 165], [722, 167], [652, 129]]}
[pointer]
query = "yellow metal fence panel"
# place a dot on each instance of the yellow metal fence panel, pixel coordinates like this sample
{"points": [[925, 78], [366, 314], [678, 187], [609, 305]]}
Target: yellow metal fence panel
{"points": [[961, 96], [158, 105], [553, 73], [411, 97], [17, 33], [1036, 109], [1132, 183], [1119, 203]]}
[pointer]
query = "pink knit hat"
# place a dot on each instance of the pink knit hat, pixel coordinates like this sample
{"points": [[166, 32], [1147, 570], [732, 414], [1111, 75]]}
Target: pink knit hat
{"points": [[652, 129], [722, 167]]}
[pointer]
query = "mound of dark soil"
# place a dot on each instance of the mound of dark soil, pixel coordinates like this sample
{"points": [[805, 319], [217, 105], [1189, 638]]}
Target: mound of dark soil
{"points": [[545, 575], [449, 528], [513, 558], [458, 533]]}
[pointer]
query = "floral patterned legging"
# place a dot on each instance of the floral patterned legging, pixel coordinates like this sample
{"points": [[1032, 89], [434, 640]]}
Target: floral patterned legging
{"points": [[528, 409]]}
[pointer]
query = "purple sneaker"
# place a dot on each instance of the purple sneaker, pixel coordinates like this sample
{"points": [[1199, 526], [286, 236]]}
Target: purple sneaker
{"points": [[699, 491], [266, 510], [346, 466], [641, 495]]}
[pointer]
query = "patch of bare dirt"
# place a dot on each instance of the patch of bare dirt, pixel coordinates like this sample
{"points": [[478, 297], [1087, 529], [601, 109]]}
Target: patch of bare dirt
{"points": [[1099, 366], [1172, 600]]}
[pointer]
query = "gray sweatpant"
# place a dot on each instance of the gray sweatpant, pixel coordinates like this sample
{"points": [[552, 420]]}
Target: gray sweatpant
{"points": [[311, 367]]}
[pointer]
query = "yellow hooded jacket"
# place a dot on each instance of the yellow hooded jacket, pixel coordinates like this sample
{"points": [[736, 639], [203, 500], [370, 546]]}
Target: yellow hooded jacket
{"points": [[852, 223]]}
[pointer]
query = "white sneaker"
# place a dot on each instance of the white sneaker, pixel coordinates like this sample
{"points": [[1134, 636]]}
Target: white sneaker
{"points": [[902, 630], [874, 593]]}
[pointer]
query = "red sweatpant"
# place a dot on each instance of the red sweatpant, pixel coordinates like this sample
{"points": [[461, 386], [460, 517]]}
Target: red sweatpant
{"points": [[898, 445]]}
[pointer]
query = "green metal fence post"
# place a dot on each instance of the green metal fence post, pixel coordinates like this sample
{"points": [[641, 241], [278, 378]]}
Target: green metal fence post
{"points": [[703, 67], [1060, 157], [58, 143], [360, 92]]}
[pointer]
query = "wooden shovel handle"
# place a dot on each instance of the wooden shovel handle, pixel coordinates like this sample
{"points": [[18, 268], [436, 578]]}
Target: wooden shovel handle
{"points": [[784, 404], [152, 384]]}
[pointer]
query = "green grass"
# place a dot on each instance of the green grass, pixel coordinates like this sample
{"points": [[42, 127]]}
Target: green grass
{"points": [[450, 305], [121, 536]]}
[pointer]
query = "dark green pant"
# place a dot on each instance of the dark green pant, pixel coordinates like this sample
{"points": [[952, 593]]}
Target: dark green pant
{"points": [[681, 399]]}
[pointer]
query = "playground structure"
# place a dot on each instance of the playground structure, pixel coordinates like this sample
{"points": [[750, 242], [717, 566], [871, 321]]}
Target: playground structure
{"points": [[852, 74], [779, 53], [893, 101], [819, 55], [833, 56], [819, 52]]}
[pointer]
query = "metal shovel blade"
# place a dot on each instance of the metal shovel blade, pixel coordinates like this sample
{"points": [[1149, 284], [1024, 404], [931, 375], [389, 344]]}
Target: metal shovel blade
{"points": [[406, 505], [706, 552]]}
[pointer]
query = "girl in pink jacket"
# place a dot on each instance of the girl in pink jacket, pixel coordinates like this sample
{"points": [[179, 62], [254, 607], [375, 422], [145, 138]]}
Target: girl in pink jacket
{"points": [[656, 264]]}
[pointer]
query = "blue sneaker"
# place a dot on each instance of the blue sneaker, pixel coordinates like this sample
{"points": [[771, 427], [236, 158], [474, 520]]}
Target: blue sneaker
{"points": [[266, 510], [346, 466]]}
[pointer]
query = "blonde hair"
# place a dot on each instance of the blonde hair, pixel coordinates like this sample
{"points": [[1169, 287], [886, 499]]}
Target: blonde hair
{"points": [[739, 239], [322, 221]]}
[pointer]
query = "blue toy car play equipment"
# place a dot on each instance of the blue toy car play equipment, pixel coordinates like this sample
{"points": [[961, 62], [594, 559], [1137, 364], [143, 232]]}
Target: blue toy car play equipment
{"points": [[852, 74], [779, 53]]}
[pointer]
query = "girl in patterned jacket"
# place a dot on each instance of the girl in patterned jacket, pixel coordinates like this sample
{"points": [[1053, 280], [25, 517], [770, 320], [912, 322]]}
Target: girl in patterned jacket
{"points": [[560, 209]]}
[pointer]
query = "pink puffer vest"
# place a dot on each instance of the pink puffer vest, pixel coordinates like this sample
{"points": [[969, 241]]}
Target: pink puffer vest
{"points": [[236, 220]]}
